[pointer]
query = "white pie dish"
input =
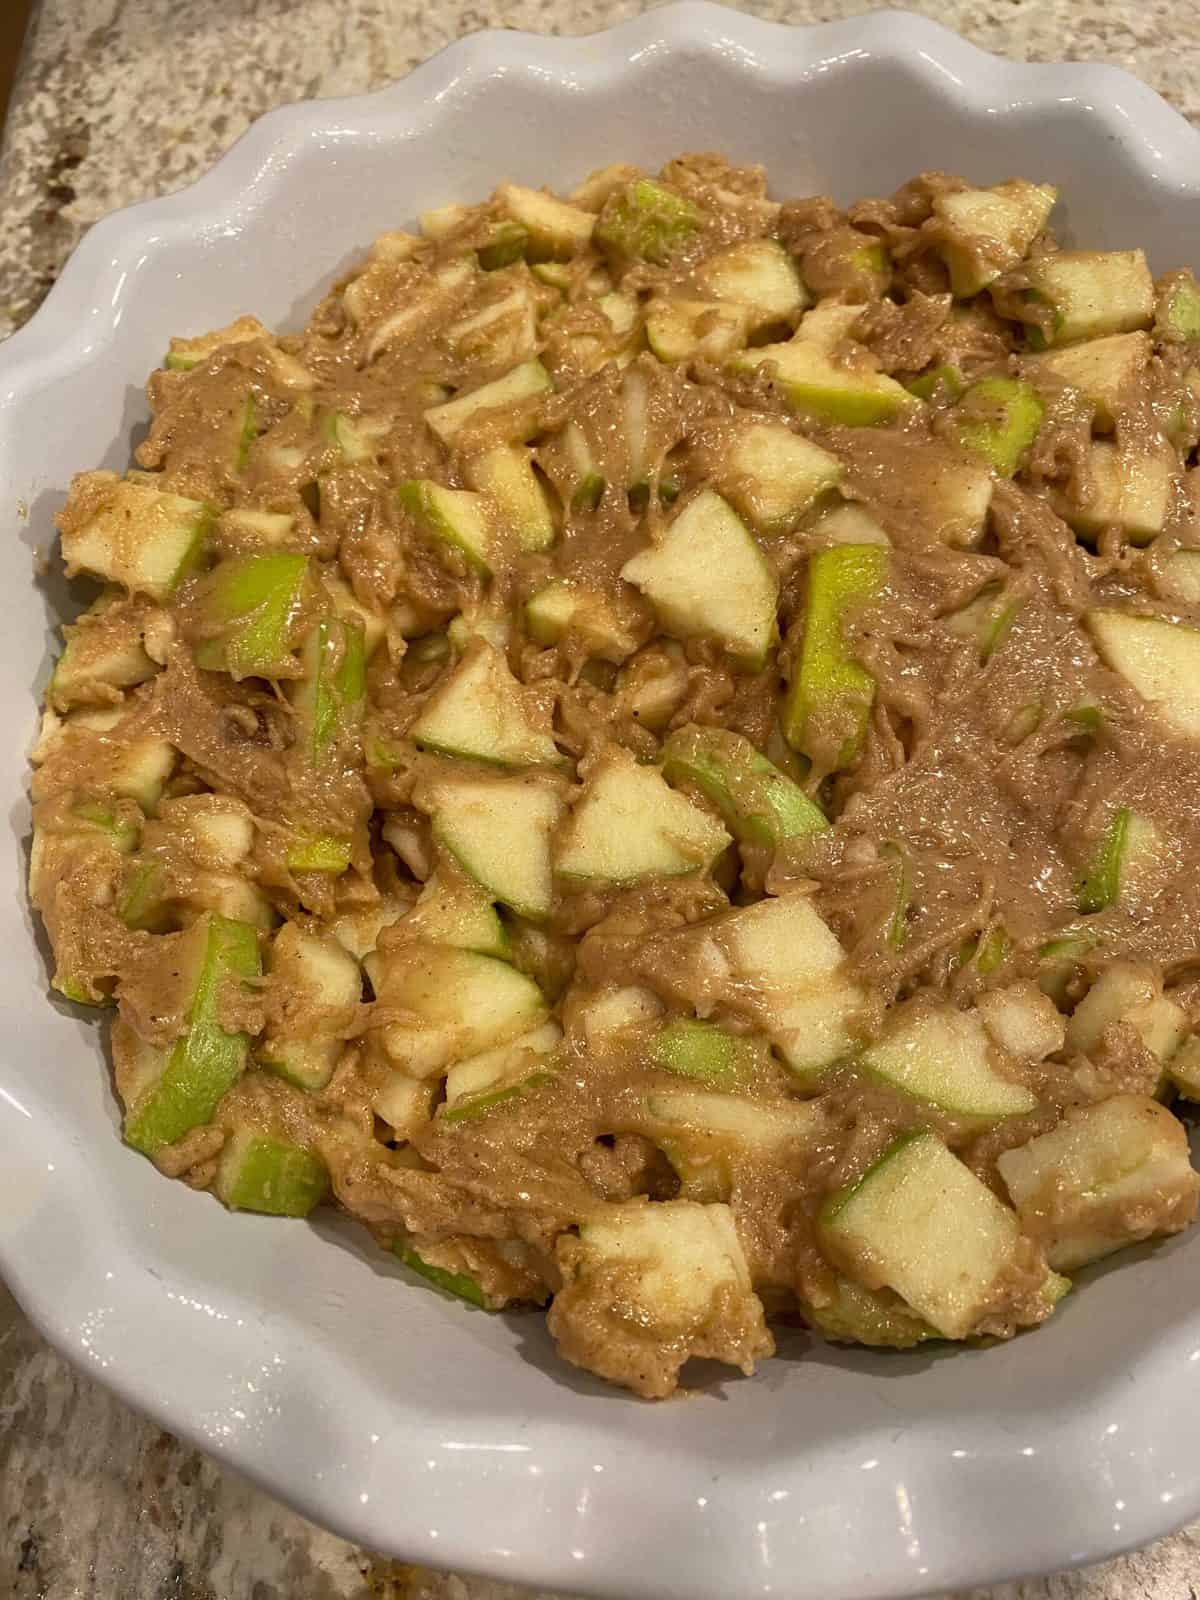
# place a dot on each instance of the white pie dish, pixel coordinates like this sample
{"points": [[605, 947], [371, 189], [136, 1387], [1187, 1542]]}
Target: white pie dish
{"points": [[302, 1354]]}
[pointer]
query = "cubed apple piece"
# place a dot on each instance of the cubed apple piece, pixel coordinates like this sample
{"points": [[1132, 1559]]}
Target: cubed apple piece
{"points": [[1129, 843], [508, 394], [773, 476], [848, 524], [455, 517], [1130, 993], [459, 1284], [555, 229], [561, 609], [252, 615], [460, 1004], [331, 697], [183, 1083], [828, 705], [922, 1224], [630, 824], [1176, 308], [1093, 292], [759, 804], [874, 1317], [647, 221], [1129, 489], [578, 477], [707, 578], [104, 650], [458, 914], [1159, 659], [759, 275], [184, 354], [792, 961], [1105, 371], [478, 713], [1108, 1175], [686, 330], [259, 1172], [499, 832], [612, 1017], [1184, 1070], [500, 333], [1179, 577], [707, 1136], [647, 1286], [505, 474], [998, 419], [131, 767], [138, 537], [1022, 1021], [945, 1058], [499, 1076], [985, 232], [243, 529], [318, 987], [702, 1050], [318, 852], [827, 391]]}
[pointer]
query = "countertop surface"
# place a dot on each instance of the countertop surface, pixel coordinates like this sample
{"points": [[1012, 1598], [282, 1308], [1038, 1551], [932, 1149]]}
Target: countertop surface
{"points": [[120, 99]]}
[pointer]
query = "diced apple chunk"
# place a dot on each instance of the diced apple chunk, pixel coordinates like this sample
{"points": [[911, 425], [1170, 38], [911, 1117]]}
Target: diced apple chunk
{"points": [[458, 914], [921, 1223], [630, 824], [999, 418], [523, 383], [259, 1172], [826, 391], [1023, 1021], [943, 1056], [1094, 292], [647, 221], [1127, 992], [759, 275], [456, 517], [560, 609], [319, 986], [759, 803], [684, 330], [1104, 371], [499, 833], [828, 705], [494, 1076], [555, 229], [460, 1004], [793, 962], [138, 537], [1108, 1175], [1119, 488], [647, 1286], [773, 476], [505, 473], [1159, 659], [707, 577], [478, 714], [988, 231]]}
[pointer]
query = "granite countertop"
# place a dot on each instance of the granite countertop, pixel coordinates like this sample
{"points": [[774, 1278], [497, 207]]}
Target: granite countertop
{"points": [[119, 99]]}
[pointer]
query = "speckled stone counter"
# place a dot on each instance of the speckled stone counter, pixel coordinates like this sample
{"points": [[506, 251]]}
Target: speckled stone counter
{"points": [[119, 99]]}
